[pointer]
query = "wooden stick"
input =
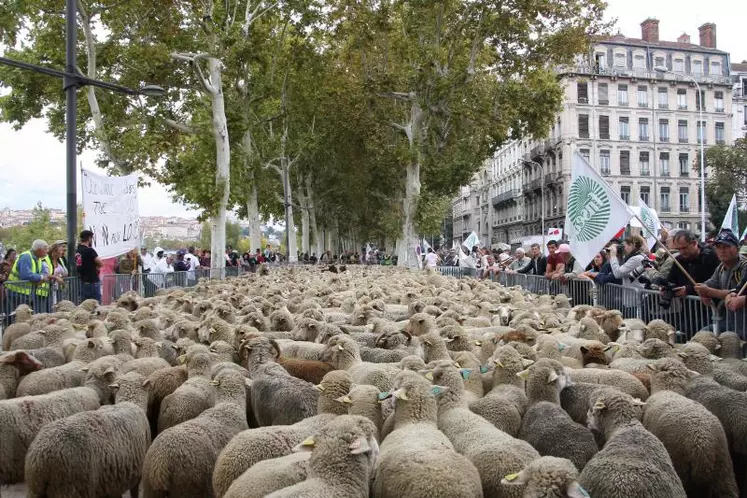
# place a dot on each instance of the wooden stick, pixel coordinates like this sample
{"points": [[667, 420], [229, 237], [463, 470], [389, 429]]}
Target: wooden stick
{"points": [[664, 246]]}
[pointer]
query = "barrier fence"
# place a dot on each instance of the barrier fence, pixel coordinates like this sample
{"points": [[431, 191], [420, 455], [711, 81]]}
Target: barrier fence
{"points": [[687, 314]]}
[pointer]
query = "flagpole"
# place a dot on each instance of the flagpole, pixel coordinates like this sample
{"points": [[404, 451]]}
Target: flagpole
{"points": [[664, 246]]}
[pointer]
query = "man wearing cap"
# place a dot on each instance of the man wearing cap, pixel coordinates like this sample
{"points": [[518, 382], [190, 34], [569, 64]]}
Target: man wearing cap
{"points": [[727, 276], [567, 266], [87, 264]]}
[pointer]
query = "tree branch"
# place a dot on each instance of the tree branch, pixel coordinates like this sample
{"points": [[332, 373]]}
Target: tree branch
{"points": [[405, 97], [194, 61], [180, 126]]}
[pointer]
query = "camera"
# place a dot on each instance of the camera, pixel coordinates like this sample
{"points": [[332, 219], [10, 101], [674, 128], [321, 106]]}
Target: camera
{"points": [[667, 291], [638, 273]]}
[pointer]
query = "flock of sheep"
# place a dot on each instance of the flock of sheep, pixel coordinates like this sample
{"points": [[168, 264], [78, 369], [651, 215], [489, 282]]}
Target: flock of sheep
{"points": [[371, 382]]}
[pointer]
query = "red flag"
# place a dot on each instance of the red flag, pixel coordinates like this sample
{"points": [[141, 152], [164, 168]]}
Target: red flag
{"points": [[619, 234]]}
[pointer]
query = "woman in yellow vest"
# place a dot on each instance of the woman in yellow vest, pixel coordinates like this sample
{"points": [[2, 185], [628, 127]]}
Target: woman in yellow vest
{"points": [[26, 282]]}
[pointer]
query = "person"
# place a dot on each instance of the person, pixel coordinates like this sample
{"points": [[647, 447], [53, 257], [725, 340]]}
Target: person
{"points": [[181, 268], [491, 268], [568, 266], [7, 265], [87, 264], [431, 259], [146, 259], [736, 302], [593, 268], [58, 269], [727, 276], [698, 261], [205, 259], [538, 264], [128, 266], [194, 265], [631, 267], [63, 258], [313, 259], [554, 265], [163, 267], [521, 261], [27, 271]]}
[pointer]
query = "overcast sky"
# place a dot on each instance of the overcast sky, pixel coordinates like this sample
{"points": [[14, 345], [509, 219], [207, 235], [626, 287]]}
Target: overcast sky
{"points": [[32, 162]]}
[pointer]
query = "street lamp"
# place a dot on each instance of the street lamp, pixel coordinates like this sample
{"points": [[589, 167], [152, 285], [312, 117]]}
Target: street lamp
{"points": [[542, 193], [663, 70], [72, 81]]}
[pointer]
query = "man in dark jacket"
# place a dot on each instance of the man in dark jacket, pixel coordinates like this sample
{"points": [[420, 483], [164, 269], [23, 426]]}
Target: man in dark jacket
{"points": [[699, 261], [538, 264]]}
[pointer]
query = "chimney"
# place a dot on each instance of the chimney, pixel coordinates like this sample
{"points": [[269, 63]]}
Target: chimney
{"points": [[684, 38], [650, 30], [708, 35]]}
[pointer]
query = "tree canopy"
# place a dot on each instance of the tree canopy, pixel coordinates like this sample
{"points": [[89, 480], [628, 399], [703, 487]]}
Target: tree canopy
{"points": [[726, 166]]}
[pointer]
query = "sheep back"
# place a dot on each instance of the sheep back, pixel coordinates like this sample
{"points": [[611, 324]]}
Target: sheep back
{"points": [[283, 400]]}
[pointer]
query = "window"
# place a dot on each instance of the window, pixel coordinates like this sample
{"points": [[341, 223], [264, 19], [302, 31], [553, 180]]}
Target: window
{"points": [[659, 62], [644, 164], [665, 207], [585, 154], [622, 94], [697, 67], [583, 125], [715, 69], [604, 127], [664, 163], [702, 132], [624, 128], [684, 199], [643, 129], [620, 60], [604, 98], [625, 194], [720, 133], [642, 96], [684, 165], [681, 98], [604, 162], [583, 92], [646, 194], [625, 162], [683, 225], [700, 100], [664, 130], [679, 65], [682, 131], [718, 101], [639, 62], [601, 59], [663, 98]]}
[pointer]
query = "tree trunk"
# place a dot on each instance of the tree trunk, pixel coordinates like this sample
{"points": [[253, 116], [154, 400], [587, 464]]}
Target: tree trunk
{"points": [[290, 226], [408, 241], [304, 200], [252, 204], [222, 161]]}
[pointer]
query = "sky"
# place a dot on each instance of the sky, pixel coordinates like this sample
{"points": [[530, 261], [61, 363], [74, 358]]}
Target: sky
{"points": [[32, 162]]}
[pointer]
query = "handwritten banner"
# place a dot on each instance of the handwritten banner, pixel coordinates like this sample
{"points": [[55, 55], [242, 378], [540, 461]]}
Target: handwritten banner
{"points": [[111, 212]]}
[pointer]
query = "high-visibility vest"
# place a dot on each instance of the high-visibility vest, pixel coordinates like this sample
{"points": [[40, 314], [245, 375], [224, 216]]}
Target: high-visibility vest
{"points": [[36, 267]]}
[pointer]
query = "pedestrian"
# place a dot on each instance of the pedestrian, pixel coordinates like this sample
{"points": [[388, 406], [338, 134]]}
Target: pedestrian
{"points": [[87, 265], [58, 270], [593, 268], [26, 281], [161, 270], [554, 266], [147, 259], [631, 267], [194, 265], [127, 269], [521, 261], [431, 259]]}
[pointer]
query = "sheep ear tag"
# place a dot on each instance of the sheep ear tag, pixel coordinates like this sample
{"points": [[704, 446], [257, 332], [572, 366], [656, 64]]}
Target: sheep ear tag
{"points": [[515, 479], [575, 490], [483, 369], [465, 373], [306, 445], [438, 390], [384, 395]]}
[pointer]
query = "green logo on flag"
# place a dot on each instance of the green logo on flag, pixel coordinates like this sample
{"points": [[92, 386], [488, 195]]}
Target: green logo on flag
{"points": [[588, 208], [648, 221]]}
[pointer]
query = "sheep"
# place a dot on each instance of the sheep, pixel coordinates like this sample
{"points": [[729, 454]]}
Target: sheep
{"points": [[181, 459], [62, 377], [506, 402], [732, 345], [692, 435], [281, 320], [93, 453], [279, 398], [271, 475], [52, 335], [593, 355], [545, 425], [341, 463], [493, 452], [420, 324], [309, 370], [13, 365], [708, 340], [145, 366], [343, 353], [696, 357], [191, 398], [623, 381], [364, 401], [434, 347], [222, 351], [548, 477], [255, 445], [727, 376], [413, 363], [659, 329], [416, 459], [13, 332], [633, 462], [656, 348]]}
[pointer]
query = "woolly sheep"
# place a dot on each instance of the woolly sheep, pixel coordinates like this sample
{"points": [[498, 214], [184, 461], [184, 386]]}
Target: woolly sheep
{"points": [[545, 425], [191, 398], [692, 435], [93, 453], [416, 459], [13, 332], [344, 354], [181, 459], [633, 462], [656, 348], [13, 365], [309, 370], [52, 335], [732, 346], [279, 398], [267, 476], [708, 340], [696, 357], [548, 477], [623, 381], [659, 329]]}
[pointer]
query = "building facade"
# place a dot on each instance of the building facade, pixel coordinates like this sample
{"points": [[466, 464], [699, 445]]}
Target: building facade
{"points": [[739, 96], [631, 107]]}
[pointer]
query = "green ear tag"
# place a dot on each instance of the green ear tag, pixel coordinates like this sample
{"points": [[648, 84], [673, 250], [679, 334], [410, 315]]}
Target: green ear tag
{"points": [[511, 477], [436, 390], [465, 373], [584, 492], [483, 369], [383, 396], [561, 346]]}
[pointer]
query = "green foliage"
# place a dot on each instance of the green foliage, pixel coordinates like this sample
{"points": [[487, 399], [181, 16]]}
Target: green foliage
{"points": [[726, 166], [40, 227], [233, 234], [431, 213]]}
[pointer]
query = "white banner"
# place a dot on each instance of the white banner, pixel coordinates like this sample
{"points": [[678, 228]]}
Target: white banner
{"points": [[555, 233], [595, 212], [652, 224], [731, 220], [110, 211]]}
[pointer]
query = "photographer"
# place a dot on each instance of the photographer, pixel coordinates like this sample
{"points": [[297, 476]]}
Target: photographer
{"points": [[632, 266], [699, 261]]}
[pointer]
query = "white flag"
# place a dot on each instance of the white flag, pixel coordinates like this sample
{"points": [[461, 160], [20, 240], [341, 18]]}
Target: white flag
{"points": [[426, 246], [744, 234], [651, 224], [731, 220], [455, 246], [595, 212], [472, 240]]}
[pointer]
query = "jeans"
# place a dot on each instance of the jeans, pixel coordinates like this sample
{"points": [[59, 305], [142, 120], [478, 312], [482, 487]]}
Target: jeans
{"points": [[91, 291]]}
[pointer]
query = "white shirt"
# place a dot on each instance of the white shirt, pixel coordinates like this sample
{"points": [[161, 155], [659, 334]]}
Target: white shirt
{"points": [[147, 261], [431, 260], [159, 269], [194, 263]]}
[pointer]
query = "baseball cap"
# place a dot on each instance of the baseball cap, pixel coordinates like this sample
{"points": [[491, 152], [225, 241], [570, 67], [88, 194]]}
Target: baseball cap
{"points": [[727, 237], [60, 242], [563, 248], [181, 252]]}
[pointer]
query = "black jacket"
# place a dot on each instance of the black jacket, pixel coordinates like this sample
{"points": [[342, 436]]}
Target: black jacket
{"points": [[536, 267], [701, 269]]}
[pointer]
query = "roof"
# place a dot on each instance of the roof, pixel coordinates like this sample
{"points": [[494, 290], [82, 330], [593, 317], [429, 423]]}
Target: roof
{"points": [[692, 47], [737, 67]]}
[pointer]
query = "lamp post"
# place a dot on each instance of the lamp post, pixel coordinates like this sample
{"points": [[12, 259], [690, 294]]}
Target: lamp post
{"points": [[701, 132], [73, 80], [542, 193]]}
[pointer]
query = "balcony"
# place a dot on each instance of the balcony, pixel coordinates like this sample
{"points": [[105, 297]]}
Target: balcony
{"points": [[666, 208], [645, 172], [682, 107], [664, 173], [720, 109], [720, 141], [663, 106], [624, 137], [683, 140], [625, 171], [684, 209], [664, 139], [505, 197], [684, 173], [605, 172], [644, 138]]}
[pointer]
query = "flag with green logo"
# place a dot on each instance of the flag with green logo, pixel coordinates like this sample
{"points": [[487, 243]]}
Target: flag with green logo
{"points": [[731, 220], [595, 212], [651, 224], [471, 241]]}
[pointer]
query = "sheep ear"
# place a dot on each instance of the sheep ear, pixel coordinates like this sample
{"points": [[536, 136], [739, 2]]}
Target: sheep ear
{"points": [[693, 373], [306, 445], [638, 402], [574, 490], [526, 362], [114, 386], [400, 394], [516, 479], [599, 405], [584, 349], [344, 399], [146, 383], [523, 374], [552, 377], [682, 354], [478, 343], [360, 446], [84, 369], [713, 357], [652, 367], [428, 375]]}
